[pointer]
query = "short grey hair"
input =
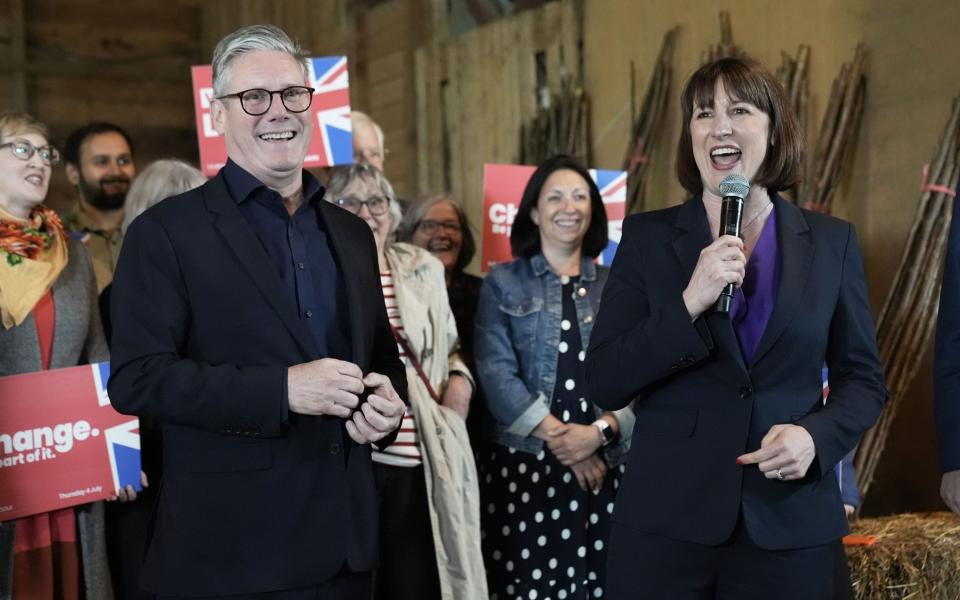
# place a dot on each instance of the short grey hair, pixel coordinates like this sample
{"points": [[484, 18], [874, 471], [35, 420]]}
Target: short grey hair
{"points": [[341, 177], [161, 179], [251, 39], [356, 117]]}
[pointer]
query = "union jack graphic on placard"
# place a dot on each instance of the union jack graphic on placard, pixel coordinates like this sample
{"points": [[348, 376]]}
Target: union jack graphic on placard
{"points": [[123, 440], [613, 190], [333, 135]]}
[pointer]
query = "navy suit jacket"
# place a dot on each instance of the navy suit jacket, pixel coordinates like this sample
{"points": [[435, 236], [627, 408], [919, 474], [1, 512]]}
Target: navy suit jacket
{"points": [[699, 405], [252, 499], [946, 353]]}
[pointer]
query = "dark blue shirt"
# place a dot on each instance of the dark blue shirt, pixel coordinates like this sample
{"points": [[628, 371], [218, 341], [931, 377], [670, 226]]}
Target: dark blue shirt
{"points": [[311, 281]]}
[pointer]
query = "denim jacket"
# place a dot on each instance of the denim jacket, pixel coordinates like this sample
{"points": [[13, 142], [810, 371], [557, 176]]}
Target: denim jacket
{"points": [[516, 346]]}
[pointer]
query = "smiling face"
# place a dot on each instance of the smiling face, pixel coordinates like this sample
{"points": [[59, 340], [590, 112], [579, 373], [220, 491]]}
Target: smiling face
{"points": [[731, 136], [364, 189], [104, 172], [270, 146], [446, 239], [563, 210], [23, 183]]}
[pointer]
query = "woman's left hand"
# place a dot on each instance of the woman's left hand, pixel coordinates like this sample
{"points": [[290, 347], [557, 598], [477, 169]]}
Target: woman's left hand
{"points": [[575, 444], [785, 453], [457, 395]]}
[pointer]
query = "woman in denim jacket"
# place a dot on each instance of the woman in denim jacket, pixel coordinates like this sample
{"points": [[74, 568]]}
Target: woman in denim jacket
{"points": [[549, 478]]}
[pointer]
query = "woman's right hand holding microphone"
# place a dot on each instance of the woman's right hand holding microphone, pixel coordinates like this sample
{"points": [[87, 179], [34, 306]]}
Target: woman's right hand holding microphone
{"points": [[720, 263]]}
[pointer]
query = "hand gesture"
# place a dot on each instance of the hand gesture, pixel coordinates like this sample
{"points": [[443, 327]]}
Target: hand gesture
{"points": [[590, 473], [379, 415], [324, 387], [573, 443], [720, 263], [785, 453]]}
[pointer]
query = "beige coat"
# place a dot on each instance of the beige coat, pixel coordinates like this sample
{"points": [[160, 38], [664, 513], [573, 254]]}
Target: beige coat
{"points": [[451, 474]]}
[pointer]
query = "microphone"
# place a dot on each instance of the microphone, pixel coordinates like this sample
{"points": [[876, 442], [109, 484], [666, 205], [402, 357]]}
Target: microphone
{"points": [[734, 189]]}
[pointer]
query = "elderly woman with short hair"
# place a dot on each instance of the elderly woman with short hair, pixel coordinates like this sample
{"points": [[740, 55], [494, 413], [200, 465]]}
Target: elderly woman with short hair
{"points": [[429, 512], [439, 225]]}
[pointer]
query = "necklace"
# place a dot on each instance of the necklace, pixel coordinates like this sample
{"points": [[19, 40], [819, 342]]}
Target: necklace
{"points": [[750, 223]]}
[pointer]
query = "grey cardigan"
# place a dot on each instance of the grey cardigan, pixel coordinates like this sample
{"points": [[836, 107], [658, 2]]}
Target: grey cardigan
{"points": [[77, 339]]}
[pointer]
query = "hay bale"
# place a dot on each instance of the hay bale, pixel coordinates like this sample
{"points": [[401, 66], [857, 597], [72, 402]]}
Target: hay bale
{"points": [[916, 556]]}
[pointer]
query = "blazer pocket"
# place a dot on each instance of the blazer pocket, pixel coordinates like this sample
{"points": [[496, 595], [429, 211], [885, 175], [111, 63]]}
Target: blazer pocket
{"points": [[231, 458], [669, 421]]}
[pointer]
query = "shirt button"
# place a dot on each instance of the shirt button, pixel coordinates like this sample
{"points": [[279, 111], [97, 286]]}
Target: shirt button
{"points": [[309, 313], [745, 392], [335, 448], [588, 319], [582, 292], [300, 266]]}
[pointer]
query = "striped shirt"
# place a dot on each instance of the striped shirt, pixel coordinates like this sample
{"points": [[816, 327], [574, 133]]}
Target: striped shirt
{"points": [[405, 452]]}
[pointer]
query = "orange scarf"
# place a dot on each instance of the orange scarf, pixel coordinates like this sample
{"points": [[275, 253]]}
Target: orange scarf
{"points": [[33, 252]]}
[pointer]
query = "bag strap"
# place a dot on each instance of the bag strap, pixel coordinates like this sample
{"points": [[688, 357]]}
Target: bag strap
{"points": [[405, 344]]}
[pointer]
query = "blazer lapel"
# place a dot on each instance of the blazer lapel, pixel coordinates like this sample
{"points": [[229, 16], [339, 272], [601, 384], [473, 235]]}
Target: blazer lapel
{"points": [[345, 252], [692, 219], [796, 258], [245, 244]]}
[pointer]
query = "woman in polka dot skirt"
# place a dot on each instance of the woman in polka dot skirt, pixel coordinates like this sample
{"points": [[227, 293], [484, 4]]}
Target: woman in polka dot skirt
{"points": [[549, 477]]}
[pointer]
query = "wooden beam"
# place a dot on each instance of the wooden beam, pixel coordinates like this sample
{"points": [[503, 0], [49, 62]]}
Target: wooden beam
{"points": [[17, 82]]}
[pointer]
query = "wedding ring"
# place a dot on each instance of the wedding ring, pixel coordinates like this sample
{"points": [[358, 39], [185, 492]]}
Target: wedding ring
{"points": [[779, 475]]}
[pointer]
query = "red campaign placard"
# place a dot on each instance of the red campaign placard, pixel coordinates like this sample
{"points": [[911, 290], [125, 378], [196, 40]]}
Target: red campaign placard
{"points": [[502, 190], [332, 141], [61, 443]]}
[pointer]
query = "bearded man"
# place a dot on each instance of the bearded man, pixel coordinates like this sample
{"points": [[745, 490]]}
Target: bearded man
{"points": [[99, 163]]}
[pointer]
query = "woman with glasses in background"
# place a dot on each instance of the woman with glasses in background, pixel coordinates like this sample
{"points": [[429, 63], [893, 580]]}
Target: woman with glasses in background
{"points": [[48, 304], [426, 480], [439, 225]]}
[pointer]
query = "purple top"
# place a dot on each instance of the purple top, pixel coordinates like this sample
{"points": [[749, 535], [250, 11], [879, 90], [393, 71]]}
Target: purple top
{"points": [[753, 302]]}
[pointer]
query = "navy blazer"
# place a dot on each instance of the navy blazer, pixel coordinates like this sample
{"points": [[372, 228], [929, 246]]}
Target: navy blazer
{"points": [[699, 405], [946, 353], [253, 499]]}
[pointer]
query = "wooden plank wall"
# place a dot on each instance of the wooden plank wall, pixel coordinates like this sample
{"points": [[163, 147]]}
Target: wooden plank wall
{"points": [[78, 61], [474, 92], [379, 43]]}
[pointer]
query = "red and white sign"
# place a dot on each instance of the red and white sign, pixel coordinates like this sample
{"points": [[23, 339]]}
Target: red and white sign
{"points": [[502, 190], [61, 443], [332, 142]]}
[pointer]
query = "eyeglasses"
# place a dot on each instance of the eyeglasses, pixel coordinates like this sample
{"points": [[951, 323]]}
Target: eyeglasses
{"points": [[24, 150], [430, 227], [377, 205], [257, 101]]}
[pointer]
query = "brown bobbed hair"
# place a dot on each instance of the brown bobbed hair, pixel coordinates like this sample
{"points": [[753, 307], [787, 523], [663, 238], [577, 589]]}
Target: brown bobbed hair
{"points": [[747, 81]]}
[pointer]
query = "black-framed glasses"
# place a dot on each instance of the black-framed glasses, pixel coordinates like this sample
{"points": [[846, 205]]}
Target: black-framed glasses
{"points": [[430, 227], [377, 205], [24, 150], [257, 101]]}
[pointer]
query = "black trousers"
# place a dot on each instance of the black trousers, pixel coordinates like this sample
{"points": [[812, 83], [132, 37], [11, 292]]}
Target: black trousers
{"points": [[408, 560], [643, 566], [344, 586]]}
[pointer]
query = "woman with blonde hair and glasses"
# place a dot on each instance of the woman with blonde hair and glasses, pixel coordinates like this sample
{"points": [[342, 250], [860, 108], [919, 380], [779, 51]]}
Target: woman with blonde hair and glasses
{"points": [[48, 304], [426, 480]]}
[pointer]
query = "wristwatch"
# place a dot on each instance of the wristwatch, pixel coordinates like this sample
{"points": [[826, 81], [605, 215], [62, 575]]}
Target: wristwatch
{"points": [[606, 432]]}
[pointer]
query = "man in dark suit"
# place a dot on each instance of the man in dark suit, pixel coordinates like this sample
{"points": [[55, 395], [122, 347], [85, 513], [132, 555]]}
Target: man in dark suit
{"points": [[946, 369], [248, 319]]}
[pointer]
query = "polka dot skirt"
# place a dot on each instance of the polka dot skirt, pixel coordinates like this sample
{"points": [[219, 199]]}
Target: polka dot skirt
{"points": [[543, 537]]}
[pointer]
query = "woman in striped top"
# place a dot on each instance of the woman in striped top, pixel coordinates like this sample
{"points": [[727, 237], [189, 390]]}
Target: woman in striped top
{"points": [[427, 482]]}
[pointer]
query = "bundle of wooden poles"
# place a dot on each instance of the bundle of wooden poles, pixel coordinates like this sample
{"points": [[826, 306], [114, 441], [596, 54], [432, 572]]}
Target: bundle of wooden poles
{"points": [[559, 128], [833, 154], [726, 48], [909, 313], [793, 76], [647, 123]]}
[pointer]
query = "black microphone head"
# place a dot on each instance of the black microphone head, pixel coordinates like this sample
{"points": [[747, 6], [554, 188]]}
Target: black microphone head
{"points": [[734, 185]]}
